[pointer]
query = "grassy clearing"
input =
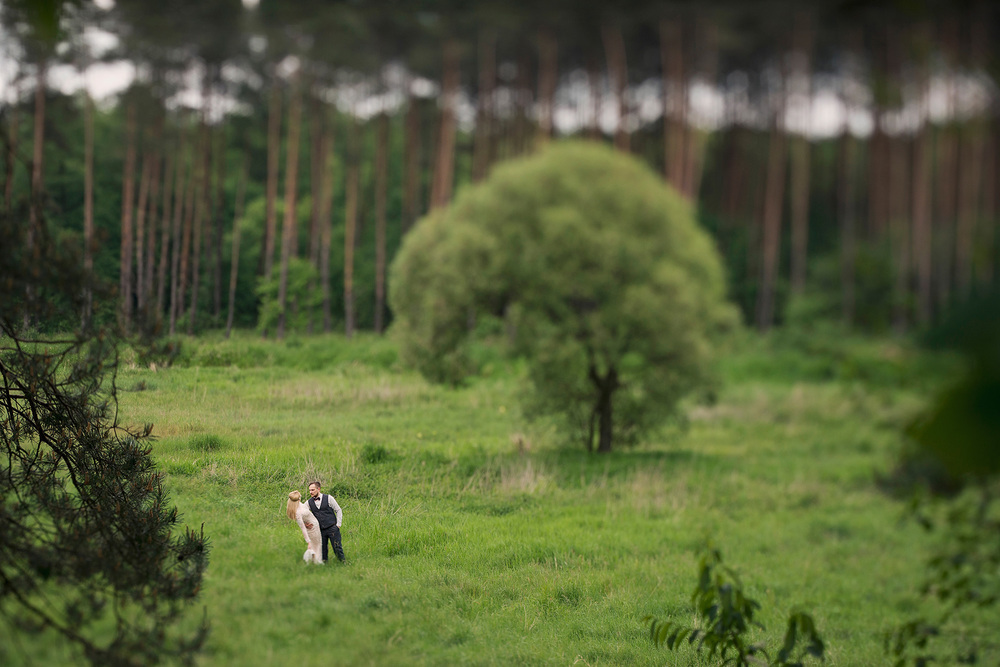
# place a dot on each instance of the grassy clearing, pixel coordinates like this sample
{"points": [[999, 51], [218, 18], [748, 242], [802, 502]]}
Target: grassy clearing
{"points": [[473, 538]]}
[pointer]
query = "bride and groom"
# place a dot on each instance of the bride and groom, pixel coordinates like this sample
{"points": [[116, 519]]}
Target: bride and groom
{"points": [[319, 518]]}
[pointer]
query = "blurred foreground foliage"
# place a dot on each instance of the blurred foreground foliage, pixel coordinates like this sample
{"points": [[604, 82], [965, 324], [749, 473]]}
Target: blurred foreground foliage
{"points": [[960, 432], [726, 619]]}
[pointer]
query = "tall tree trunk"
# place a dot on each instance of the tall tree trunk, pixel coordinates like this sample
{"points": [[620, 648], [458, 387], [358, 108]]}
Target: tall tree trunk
{"points": [[411, 159], [288, 238], [88, 213], [693, 146], [799, 157], [972, 149], [922, 240], [381, 192], [166, 228], [326, 226], [152, 220], [273, 160], [774, 195], [943, 226], [986, 239], [614, 49], [350, 226], [482, 148], [190, 197], [878, 178], [899, 157], [9, 164], [444, 171], [234, 259], [200, 187], [182, 234], [847, 226], [219, 211], [596, 95], [675, 101], [128, 196], [317, 156], [548, 72], [35, 220], [146, 175]]}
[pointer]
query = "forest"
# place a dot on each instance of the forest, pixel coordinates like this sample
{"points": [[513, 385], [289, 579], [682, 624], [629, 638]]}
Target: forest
{"points": [[259, 163], [572, 306]]}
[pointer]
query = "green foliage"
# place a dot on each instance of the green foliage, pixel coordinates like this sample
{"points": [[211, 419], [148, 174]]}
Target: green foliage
{"points": [[822, 305], [962, 579], [594, 270], [89, 544], [727, 618], [303, 296], [960, 433]]}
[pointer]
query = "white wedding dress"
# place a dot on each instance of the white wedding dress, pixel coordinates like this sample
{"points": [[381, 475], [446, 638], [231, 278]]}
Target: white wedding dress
{"points": [[314, 553]]}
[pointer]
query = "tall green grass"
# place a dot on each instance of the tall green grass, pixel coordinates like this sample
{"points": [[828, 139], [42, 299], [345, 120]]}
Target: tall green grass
{"points": [[475, 538]]}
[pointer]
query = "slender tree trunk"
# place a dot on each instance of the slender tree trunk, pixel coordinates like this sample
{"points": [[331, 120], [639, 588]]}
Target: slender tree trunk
{"points": [[799, 156], [899, 157], [774, 195], [381, 193], [847, 227], [614, 49], [128, 196], [219, 212], [922, 250], [972, 149], [234, 260], [88, 213], [35, 221], [190, 197], [596, 94], [444, 172], [169, 185], [9, 164], [153, 219], [182, 235], [674, 102], [350, 227], [693, 146], [288, 239], [145, 177], [986, 239], [548, 72], [943, 227], [200, 204], [878, 179], [482, 153], [317, 156], [326, 227], [411, 158], [273, 159]]}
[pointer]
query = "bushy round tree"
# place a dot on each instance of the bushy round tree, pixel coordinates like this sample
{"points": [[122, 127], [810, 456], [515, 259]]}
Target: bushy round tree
{"points": [[599, 273]]}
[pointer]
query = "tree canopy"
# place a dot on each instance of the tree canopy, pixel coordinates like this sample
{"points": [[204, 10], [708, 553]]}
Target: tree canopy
{"points": [[594, 267]]}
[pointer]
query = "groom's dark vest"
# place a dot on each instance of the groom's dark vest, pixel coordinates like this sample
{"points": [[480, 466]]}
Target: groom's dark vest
{"points": [[323, 512]]}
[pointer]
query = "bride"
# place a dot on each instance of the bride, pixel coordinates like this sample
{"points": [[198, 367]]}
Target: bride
{"points": [[299, 512]]}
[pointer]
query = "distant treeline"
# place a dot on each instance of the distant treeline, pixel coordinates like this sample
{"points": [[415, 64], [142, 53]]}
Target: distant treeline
{"points": [[321, 132]]}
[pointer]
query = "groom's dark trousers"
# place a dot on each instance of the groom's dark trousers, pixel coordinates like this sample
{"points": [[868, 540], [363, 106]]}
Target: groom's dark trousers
{"points": [[331, 535]]}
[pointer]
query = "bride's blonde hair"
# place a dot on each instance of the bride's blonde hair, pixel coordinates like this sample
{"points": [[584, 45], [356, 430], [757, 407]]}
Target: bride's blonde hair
{"points": [[293, 504]]}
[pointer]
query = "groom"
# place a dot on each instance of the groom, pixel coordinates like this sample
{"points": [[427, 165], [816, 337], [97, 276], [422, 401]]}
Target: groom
{"points": [[328, 514]]}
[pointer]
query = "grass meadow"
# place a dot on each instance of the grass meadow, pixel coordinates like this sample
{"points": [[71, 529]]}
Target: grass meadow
{"points": [[474, 538]]}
